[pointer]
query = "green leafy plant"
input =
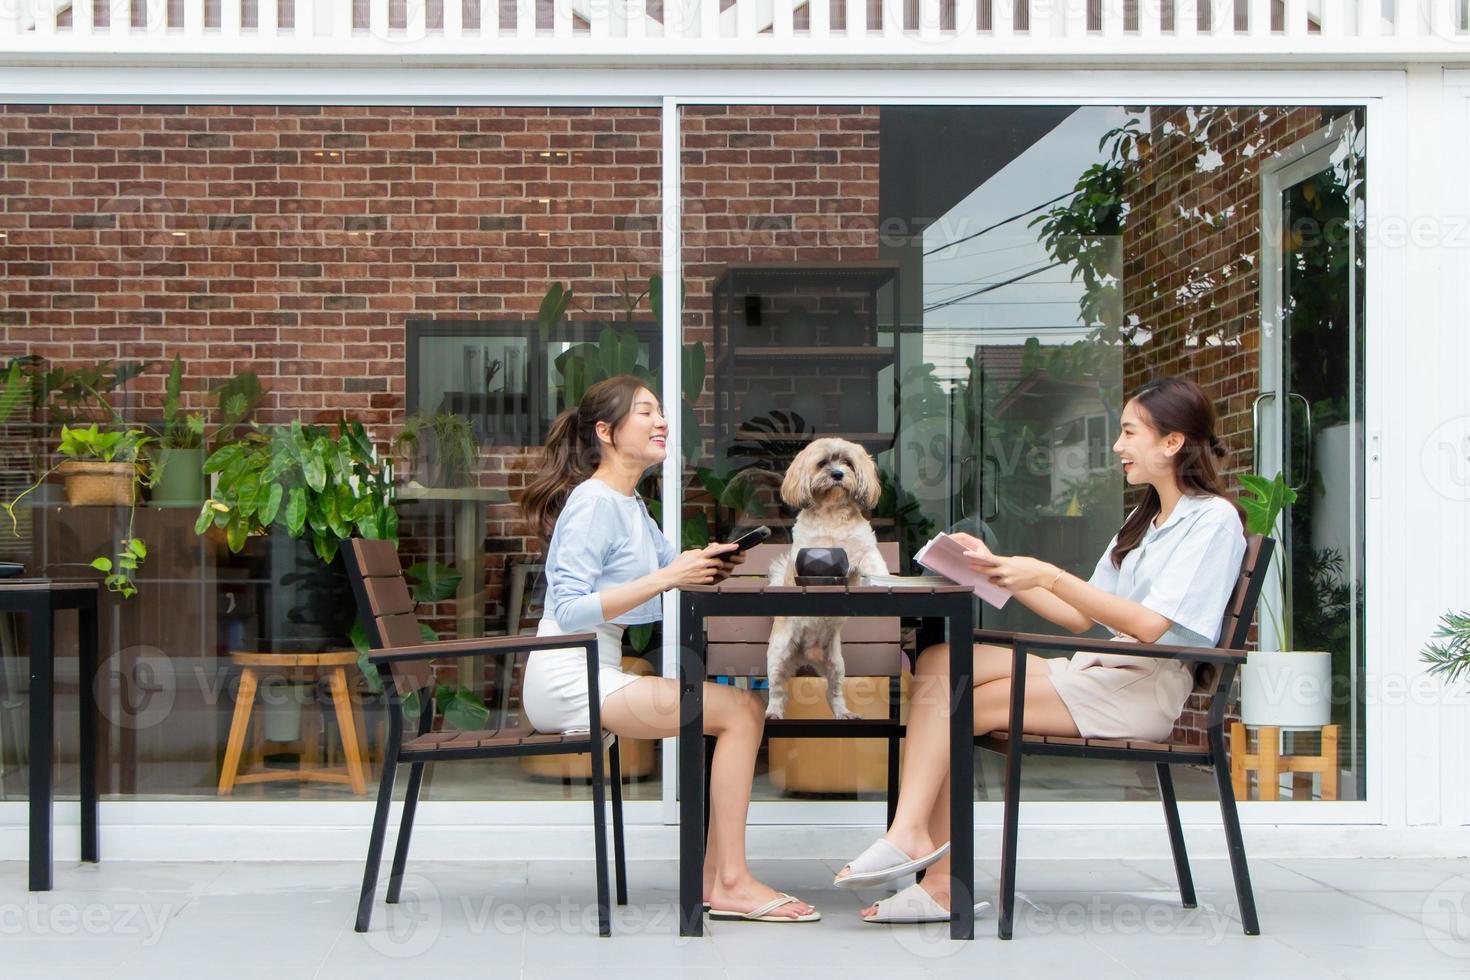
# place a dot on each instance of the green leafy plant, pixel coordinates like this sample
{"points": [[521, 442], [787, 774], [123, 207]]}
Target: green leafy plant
{"points": [[91, 444], [235, 401], [309, 479], [1263, 500], [304, 478], [455, 451], [1450, 658]]}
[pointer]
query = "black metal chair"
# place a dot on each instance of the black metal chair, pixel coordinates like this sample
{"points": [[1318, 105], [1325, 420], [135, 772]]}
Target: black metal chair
{"points": [[1214, 674], [386, 610]]}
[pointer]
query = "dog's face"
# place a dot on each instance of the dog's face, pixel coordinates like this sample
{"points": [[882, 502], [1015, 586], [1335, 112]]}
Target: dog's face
{"points": [[828, 469]]}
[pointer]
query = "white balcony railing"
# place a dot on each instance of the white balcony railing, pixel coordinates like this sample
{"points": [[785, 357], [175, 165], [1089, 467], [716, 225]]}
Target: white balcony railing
{"points": [[720, 31]]}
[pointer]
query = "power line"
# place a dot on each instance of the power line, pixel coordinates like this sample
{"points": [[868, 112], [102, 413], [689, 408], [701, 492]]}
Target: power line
{"points": [[991, 287], [1006, 221]]}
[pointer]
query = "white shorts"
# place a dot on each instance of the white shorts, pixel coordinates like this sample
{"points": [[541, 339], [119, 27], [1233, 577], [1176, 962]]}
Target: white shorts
{"points": [[554, 690]]}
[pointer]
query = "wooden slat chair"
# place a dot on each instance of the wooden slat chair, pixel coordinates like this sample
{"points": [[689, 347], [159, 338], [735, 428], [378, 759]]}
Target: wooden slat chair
{"points": [[386, 610], [870, 648], [1214, 668]]}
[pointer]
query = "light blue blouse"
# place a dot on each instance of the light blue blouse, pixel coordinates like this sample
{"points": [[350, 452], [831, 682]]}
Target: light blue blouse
{"points": [[1184, 571], [602, 539]]}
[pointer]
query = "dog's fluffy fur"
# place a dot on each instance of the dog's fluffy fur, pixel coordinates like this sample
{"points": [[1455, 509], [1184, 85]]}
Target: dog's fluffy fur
{"points": [[832, 483]]}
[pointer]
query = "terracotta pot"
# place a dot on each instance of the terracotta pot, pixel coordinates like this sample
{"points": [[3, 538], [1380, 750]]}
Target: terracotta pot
{"points": [[90, 483]]}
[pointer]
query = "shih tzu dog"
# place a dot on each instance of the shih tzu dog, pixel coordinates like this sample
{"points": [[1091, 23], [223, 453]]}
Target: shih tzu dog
{"points": [[831, 483]]}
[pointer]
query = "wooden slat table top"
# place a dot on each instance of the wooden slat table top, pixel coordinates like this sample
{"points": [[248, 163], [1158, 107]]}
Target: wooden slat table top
{"points": [[754, 585]]}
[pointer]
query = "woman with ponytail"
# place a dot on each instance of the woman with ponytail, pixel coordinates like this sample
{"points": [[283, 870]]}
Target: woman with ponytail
{"points": [[1164, 578], [607, 564]]}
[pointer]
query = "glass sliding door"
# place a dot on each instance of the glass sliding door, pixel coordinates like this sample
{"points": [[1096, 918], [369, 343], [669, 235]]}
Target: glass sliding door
{"points": [[972, 292]]}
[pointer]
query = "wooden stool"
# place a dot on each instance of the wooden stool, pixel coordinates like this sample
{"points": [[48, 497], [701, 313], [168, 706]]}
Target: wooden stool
{"points": [[1268, 763], [299, 667]]}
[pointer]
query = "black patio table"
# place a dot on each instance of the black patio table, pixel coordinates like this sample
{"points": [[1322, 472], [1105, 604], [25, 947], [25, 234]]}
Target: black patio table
{"points": [[736, 597], [39, 600]]}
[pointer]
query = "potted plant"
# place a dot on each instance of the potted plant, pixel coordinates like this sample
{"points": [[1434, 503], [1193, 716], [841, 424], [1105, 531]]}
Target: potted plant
{"points": [[101, 468], [180, 440], [448, 457], [100, 464], [1281, 688], [331, 486]]}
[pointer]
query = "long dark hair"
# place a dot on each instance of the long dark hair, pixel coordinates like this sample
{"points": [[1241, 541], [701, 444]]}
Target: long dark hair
{"points": [[1179, 405], [572, 449]]}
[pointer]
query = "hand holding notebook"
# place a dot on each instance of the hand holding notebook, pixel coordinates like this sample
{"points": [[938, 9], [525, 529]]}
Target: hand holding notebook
{"points": [[945, 554]]}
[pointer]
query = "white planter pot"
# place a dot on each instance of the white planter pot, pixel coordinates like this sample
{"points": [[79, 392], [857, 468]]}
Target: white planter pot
{"points": [[1291, 690], [281, 704]]}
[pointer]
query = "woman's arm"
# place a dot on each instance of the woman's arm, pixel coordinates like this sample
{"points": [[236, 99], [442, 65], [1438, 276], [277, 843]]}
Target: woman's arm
{"points": [[1066, 599]]}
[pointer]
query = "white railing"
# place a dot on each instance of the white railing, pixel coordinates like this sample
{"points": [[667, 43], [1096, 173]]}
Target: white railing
{"points": [[785, 31]]}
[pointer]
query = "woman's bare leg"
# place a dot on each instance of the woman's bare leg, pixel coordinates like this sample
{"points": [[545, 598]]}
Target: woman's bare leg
{"points": [[922, 817], [649, 708]]}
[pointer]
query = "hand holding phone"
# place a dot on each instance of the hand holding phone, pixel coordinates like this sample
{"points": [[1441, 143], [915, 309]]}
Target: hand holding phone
{"points": [[750, 539]]}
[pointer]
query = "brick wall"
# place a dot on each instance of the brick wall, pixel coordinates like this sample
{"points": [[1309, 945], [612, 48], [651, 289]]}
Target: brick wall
{"points": [[1191, 250], [773, 184], [297, 241]]}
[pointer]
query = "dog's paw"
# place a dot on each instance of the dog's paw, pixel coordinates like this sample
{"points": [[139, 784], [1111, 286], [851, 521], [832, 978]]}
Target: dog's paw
{"points": [[775, 712], [846, 714]]}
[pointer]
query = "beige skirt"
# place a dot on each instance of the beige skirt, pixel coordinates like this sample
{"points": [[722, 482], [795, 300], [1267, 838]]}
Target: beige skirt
{"points": [[1115, 696]]}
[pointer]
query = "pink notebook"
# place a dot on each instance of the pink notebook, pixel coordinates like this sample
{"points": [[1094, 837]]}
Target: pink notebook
{"points": [[946, 556]]}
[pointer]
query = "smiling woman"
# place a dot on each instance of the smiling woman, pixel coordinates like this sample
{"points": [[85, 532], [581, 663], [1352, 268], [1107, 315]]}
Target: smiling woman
{"points": [[606, 566]]}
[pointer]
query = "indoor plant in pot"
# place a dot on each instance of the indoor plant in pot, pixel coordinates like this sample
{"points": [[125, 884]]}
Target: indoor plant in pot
{"points": [[101, 468], [328, 485], [1281, 688], [447, 457], [180, 440]]}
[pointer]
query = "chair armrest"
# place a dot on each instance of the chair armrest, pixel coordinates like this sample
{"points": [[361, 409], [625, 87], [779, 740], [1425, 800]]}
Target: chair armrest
{"points": [[1072, 644], [475, 646]]}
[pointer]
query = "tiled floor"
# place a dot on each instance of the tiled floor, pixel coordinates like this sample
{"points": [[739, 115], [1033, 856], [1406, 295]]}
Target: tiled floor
{"points": [[220, 921]]}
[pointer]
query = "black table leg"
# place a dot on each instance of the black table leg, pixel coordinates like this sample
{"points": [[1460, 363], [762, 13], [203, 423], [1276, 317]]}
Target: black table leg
{"points": [[691, 765], [88, 707], [43, 726], [962, 769]]}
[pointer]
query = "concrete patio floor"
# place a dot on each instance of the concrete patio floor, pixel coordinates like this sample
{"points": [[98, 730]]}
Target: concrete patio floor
{"points": [[1105, 918]]}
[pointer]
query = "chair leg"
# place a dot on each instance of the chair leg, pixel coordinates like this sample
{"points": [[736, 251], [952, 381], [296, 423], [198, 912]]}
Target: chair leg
{"points": [[380, 827], [620, 864], [895, 686], [709, 759], [1176, 835], [599, 820], [405, 831], [1233, 839], [1009, 832]]}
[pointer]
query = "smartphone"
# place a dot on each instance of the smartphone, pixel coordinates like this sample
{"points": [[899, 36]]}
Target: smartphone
{"points": [[750, 538]]}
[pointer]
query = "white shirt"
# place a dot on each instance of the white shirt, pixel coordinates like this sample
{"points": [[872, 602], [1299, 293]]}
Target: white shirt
{"points": [[1184, 571]]}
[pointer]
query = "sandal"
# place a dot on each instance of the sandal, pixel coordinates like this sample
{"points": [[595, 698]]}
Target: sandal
{"points": [[883, 862], [762, 913], [914, 905]]}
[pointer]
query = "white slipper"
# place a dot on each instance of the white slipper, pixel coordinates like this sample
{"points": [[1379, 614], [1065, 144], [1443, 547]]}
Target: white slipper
{"points": [[914, 905], [883, 862], [762, 913]]}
